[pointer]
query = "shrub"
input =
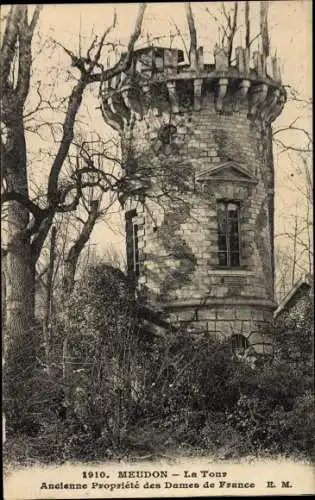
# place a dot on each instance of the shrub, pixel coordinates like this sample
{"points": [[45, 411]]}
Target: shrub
{"points": [[115, 388], [102, 354]]}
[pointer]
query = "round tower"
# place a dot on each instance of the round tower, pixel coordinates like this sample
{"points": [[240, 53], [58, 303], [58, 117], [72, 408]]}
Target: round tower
{"points": [[198, 187]]}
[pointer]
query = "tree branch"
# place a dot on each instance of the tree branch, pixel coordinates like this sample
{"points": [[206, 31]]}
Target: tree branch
{"points": [[193, 36], [247, 24], [9, 44], [74, 103], [125, 60], [179, 33], [38, 212], [76, 99], [76, 249], [264, 28], [105, 34], [35, 18], [25, 58], [40, 237], [292, 127], [232, 31]]}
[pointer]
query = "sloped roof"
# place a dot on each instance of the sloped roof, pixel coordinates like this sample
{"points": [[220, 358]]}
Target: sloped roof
{"points": [[304, 282]]}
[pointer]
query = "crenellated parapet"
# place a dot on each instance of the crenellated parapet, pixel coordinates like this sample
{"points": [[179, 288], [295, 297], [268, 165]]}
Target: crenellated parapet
{"points": [[158, 80]]}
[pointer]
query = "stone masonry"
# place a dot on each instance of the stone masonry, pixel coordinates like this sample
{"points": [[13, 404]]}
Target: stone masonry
{"points": [[192, 139]]}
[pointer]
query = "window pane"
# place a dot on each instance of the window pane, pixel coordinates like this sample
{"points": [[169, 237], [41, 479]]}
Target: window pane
{"points": [[233, 227], [235, 259], [234, 242], [222, 259], [137, 269], [232, 207], [222, 242], [222, 218]]}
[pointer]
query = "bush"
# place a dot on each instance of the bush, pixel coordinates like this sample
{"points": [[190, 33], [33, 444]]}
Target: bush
{"points": [[116, 389]]}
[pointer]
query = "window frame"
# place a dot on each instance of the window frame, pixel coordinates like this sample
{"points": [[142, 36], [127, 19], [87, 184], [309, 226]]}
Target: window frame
{"points": [[228, 249], [135, 249]]}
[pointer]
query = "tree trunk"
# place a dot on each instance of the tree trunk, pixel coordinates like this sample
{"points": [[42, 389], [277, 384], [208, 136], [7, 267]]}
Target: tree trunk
{"points": [[72, 258], [264, 28], [49, 296], [20, 335], [247, 25], [193, 62], [20, 348], [25, 240], [3, 296], [231, 35]]}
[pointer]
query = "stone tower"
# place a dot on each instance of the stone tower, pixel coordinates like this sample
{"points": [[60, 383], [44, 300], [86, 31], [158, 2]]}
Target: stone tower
{"points": [[198, 187]]}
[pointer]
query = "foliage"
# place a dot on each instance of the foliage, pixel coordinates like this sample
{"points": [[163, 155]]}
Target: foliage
{"points": [[122, 389], [101, 360]]}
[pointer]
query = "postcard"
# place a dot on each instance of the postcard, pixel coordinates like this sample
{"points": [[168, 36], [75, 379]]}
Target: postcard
{"points": [[157, 255]]}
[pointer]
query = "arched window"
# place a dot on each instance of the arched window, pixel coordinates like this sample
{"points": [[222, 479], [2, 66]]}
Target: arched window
{"points": [[239, 343]]}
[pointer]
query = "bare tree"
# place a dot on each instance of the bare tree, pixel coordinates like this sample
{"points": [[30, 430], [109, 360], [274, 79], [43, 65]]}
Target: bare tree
{"points": [[49, 292], [71, 260], [293, 141], [247, 24], [230, 31], [264, 28], [28, 222], [193, 37]]}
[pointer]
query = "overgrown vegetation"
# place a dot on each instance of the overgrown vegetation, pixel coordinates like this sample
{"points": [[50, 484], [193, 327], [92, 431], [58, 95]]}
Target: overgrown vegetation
{"points": [[115, 388]]}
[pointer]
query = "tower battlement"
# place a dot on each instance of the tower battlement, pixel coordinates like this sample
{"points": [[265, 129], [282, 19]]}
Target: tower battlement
{"points": [[199, 187], [159, 79]]}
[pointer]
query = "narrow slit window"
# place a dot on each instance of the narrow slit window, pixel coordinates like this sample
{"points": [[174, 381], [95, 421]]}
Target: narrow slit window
{"points": [[228, 234], [136, 263], [132, 236]]}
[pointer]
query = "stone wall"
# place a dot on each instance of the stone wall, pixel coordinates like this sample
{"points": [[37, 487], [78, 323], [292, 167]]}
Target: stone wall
{"points": [[179, 246]]}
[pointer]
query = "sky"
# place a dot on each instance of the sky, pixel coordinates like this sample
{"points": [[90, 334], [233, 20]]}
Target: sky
{"points": [[74, 25], [289, 23]]}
